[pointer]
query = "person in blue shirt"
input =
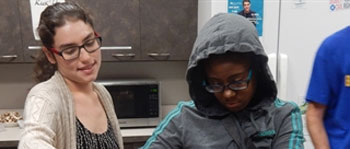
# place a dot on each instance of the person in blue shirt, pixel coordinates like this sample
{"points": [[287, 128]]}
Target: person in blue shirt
{"points": [[328, 95]]}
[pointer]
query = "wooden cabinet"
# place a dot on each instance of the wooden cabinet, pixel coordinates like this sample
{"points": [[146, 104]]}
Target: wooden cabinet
{"points": [[134, 142], [118, 23], [168, 28], [30, 46], [131, 30], [145, 29], [10, 38]]}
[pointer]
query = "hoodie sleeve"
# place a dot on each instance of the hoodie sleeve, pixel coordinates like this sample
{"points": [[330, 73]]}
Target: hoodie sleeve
{"points": [[290, 133], [168, 133]]}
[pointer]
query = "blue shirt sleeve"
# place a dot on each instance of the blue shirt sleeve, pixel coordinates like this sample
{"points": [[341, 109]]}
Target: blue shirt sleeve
{"points": [[319, 90]]}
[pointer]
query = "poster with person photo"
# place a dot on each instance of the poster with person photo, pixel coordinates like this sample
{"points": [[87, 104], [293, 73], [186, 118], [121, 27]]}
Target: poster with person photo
{"points": [[251, 9]]}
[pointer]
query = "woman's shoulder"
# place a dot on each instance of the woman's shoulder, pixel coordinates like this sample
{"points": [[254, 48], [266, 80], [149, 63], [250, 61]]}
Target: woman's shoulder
{"points": [[286, 108], [284, 104], [184, 112], [48, 93], [42, 97], [43, 89]]}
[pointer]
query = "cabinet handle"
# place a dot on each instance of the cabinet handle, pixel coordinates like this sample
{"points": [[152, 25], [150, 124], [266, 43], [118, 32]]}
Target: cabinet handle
{"points": [[124, 55], [158, 54], [117, 48], [102, 48], [34, 47], [9, 56], [33, 57]]}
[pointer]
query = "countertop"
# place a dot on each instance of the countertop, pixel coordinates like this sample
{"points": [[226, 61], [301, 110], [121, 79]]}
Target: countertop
{"points": [[10, 136]]}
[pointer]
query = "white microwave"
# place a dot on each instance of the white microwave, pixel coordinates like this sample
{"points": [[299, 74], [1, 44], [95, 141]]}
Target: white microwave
{"points": [[136, 102]]}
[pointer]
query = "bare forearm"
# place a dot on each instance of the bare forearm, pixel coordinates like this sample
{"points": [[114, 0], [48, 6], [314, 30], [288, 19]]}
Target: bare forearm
{"points": [[317, 131]]}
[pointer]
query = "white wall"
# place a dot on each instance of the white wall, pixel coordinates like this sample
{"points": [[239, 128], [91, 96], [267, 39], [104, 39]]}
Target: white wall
{"points": [[208, 8], [204, 12]]}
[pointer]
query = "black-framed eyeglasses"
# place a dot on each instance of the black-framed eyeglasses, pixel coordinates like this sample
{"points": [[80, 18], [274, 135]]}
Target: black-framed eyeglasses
{"points": [[73, 52], [235, 85]]}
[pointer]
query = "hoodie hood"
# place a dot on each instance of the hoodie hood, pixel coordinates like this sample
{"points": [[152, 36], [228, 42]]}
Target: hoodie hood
{"points": [[221, 34]]}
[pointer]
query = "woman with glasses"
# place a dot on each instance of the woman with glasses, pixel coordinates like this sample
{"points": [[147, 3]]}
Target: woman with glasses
{"points": [[66, 109], [234, 103]]}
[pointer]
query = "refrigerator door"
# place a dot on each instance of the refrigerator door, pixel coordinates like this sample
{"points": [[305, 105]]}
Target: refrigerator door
{"points": [[304, 24]]}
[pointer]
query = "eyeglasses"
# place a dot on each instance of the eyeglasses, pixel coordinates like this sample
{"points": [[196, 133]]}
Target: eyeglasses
{"points": [[73, 52], [235, 85]]}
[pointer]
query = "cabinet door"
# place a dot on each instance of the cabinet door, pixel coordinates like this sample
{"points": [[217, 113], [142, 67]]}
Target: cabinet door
{"points": [[168, 28], [117, 21], [10, 37], [30, 45]]}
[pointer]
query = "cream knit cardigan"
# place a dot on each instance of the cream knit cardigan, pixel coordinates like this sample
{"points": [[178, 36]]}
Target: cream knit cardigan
{"points": [[49, 116]]}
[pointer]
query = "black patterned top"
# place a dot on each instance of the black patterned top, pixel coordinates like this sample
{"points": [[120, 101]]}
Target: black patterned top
{"points": [[89, 140]]}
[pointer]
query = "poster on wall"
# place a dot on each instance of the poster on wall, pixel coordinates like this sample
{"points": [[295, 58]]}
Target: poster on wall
{"points": [[339, 5], [36, 7], [251, 9]]}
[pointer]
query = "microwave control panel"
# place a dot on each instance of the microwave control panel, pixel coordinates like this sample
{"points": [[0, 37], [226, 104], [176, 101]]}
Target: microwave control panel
{"points": [[154, 101]]}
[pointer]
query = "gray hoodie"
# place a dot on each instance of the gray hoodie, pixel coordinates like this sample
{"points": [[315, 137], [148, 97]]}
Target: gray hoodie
{"points": [[267, 122]]}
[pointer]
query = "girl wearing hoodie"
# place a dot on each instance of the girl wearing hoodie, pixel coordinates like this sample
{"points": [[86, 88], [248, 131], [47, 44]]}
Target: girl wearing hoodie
{"points": [[234, 103]]}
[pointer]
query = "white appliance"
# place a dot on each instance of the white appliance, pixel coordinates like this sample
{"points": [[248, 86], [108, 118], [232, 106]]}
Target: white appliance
{"points": [[304, 24]]}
